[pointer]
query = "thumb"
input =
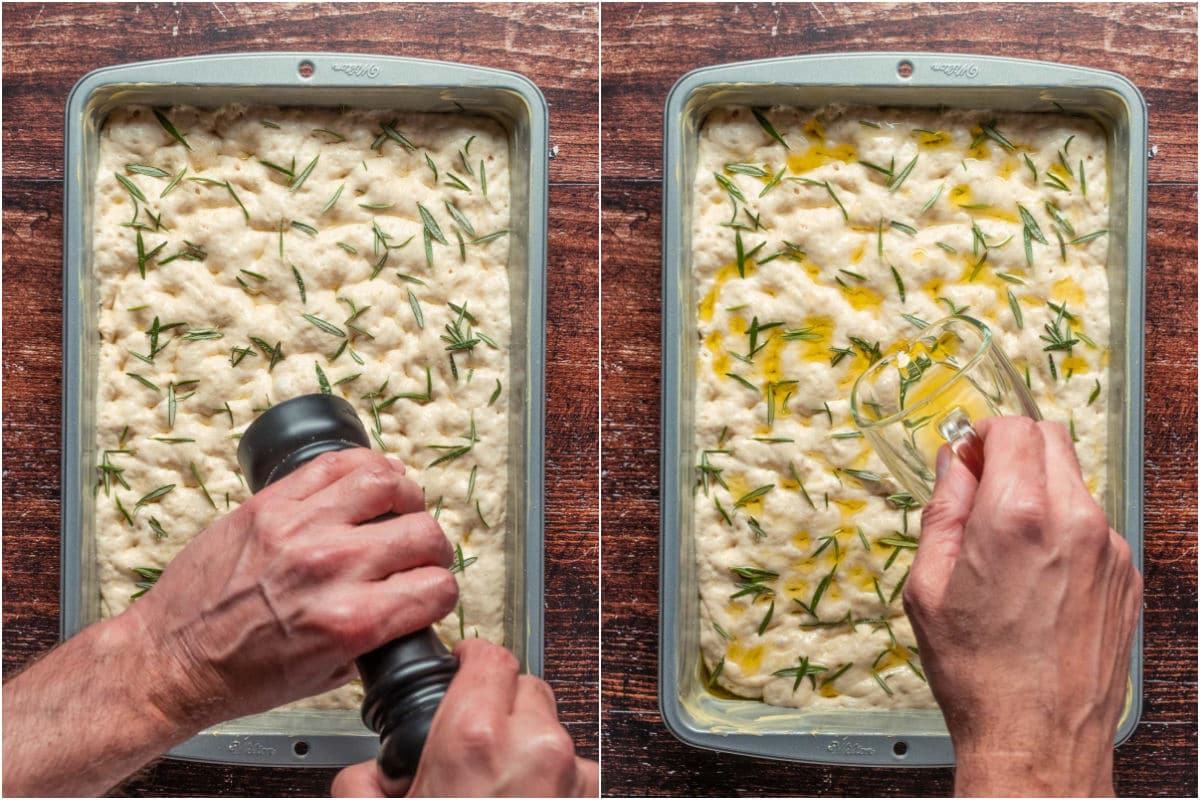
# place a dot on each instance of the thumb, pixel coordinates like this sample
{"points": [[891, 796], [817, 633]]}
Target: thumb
{"points": [[942, 524], [587, 778], [358, 780]]}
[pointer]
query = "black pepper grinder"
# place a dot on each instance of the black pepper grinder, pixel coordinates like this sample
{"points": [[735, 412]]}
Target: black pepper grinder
{"points": [[404, 679]]}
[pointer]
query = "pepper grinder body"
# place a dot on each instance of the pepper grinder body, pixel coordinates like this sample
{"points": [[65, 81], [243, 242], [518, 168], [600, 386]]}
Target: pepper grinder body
{"points": [[405, 679]]}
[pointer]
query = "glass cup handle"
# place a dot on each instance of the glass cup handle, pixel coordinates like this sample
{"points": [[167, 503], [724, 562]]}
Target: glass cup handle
{"points": [[964, 442]]}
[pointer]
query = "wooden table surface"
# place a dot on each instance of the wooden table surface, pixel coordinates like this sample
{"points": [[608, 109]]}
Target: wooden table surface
{"points": [[645, 49], [48, 48]]}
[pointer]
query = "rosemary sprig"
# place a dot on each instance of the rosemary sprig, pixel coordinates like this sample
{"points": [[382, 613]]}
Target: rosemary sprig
{"points": [[157, 529], [149, 577], [299, 180], [337, 137], [171, 405], [771, 184], [829, 190], [415, 304], [460, 219], [929, 203], [131, 187], [144, 169], [174, 182], [490, 237], [389, 132], [753, 582], [153, 496], [1055, 336], [766, 620], [754, 494], [290, 174], [896, 182], [989, 130], [455, 451], [1032, 168], [200, 480], [333, 200], [766, 125], [200, 334], [322, 381], [899, 587], [804, 669], [1018, 317], [299, 284], [456, 182], [716, 673], [274, 354], [753, 170], [1088, 237], [328, 327], [460, 564], [170, 129]]}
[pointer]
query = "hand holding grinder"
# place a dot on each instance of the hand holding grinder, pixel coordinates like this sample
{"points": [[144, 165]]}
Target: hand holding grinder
{"points": [[404, 679]]}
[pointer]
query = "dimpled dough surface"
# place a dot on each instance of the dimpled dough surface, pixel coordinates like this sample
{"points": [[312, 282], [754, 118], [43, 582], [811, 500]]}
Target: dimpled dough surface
{"points": [[823, 270], [221, 243]]}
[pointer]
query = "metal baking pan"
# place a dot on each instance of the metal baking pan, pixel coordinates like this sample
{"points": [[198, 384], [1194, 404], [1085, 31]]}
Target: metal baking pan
{"points": [[330, 738], [927, 80]]}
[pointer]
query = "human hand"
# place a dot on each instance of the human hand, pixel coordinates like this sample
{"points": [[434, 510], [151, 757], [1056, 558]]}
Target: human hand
{"points": [[496, 734], [1024, 602], [273, 602]]}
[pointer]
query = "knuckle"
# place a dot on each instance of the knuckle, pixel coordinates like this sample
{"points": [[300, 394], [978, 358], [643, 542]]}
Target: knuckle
{"points": [[552, 747], [443, 590], [316, 562], [941, 514], [347, 627], [327, 466], [1019, 426], [1054, 428], [424, 536], [426, 533], [1086, 520], [1023, 513], [375, 479], [480, 735], [915, 597]]}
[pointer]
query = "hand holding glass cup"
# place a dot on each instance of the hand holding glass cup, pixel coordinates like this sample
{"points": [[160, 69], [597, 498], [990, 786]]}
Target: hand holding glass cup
{"points": [[929, 392]]}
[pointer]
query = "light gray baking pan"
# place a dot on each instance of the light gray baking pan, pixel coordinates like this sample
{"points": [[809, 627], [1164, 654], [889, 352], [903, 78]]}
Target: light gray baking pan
{"points": [[925, 80], [313, 738]]}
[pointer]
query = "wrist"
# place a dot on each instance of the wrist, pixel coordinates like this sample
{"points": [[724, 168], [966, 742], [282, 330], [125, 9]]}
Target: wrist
{"points": [[89, 713], [1017, 768], [174, 693]]}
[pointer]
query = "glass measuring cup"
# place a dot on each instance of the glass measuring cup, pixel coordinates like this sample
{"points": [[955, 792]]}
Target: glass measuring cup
{"points": [[929, 391]]}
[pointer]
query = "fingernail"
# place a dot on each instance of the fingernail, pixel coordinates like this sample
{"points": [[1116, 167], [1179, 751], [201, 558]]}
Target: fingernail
{"points": [[943, 460]]}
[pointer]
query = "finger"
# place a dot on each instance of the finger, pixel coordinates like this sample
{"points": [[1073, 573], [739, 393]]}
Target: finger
{"points": [[1012, 492], [587, 778], [398, 544], [325, 469], [396, 606], [486, 683], [357, 780], [367, 492], [534, 696], [1064, 477], [942, 524]]}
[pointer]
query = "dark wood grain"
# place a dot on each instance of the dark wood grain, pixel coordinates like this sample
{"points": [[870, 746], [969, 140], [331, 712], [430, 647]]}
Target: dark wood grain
{"points": [[648, 47], [555, 46]]}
